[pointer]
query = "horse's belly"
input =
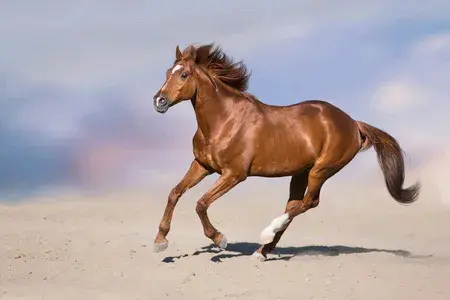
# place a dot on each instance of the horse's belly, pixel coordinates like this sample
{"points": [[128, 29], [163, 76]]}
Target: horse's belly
{"points": [[278, 166]]}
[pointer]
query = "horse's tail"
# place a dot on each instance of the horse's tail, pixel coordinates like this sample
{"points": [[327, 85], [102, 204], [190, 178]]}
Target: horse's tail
{"points": [[390, 159]]}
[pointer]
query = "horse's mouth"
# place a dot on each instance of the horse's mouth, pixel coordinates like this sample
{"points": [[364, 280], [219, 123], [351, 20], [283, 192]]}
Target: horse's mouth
{"points": [[162, 109]]}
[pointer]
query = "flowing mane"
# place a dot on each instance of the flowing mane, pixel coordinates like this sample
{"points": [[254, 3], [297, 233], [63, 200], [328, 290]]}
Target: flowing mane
{"points": [[231, 73]]}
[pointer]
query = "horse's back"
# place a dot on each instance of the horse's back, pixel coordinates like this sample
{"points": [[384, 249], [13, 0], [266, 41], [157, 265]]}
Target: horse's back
{"points": [[311, 116], [297, 135]]}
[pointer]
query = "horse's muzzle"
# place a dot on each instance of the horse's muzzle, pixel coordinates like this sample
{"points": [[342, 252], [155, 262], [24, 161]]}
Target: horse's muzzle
{"points": [[160, 103]]}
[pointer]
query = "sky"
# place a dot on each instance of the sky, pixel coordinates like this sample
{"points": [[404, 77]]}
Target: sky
{"points": [[77, 80]]}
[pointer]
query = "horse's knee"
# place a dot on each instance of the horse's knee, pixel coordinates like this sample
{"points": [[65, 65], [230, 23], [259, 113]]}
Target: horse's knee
{"points": [[174, 195], [201, 208]]}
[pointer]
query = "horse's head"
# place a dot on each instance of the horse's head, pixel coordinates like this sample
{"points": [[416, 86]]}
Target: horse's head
{"points": [[181, 82], [197, 69]]}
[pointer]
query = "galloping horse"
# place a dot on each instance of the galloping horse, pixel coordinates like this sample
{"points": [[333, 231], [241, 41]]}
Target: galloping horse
{"points": [[239, 136]]}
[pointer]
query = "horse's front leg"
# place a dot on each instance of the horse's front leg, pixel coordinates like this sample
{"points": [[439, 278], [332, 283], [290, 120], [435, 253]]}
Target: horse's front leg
{"points": [[226, 182], [193, 176]]}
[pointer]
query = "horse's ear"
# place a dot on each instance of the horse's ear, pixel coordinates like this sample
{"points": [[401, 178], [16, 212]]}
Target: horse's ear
{"points": [[202, 54], [178, 54], [191, 53]]}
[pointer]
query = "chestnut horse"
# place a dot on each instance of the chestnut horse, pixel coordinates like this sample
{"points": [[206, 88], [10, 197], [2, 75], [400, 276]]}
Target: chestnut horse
{"points": [[239, 136]]}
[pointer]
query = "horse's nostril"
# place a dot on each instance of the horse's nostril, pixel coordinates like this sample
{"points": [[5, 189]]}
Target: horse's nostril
{"points": [[161, 101]]}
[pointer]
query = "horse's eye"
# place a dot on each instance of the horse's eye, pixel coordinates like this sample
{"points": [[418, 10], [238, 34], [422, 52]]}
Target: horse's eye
{"points": [[184, 75]]}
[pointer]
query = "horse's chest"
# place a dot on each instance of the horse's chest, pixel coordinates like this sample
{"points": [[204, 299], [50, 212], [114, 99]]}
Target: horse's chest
{"points": [[215, 153], [207, 155]]}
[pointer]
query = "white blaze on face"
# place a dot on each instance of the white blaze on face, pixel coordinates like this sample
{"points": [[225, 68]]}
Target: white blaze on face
{"points": [[176, 68]]}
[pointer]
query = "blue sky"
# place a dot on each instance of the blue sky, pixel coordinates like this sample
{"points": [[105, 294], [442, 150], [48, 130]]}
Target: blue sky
{"points": [[77, 79]]}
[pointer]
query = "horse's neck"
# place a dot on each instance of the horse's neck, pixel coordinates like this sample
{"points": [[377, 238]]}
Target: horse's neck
{"points": [[213, 109]]}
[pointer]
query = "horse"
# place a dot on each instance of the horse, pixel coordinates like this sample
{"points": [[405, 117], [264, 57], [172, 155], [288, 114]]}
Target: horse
{"points": [[239, 136]]}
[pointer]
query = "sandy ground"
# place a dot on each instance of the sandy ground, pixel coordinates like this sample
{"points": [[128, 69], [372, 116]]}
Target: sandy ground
{"points": [[101, 248]]}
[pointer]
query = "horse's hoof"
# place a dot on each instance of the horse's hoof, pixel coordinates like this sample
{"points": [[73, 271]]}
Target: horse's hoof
{"points": [[258, 256], [222, 242], [160, 247]]}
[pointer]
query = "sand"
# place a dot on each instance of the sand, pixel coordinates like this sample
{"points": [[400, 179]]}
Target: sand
{"points": [[96, 247]]}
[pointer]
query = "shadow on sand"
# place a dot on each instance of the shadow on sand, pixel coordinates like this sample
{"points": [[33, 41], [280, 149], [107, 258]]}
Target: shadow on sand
{"points": [[286, 253]]}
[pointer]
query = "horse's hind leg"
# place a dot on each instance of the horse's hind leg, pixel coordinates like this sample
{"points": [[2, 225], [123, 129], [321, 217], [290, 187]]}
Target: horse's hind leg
{"points": [[316, 179], [317, 176], [297, 190]]}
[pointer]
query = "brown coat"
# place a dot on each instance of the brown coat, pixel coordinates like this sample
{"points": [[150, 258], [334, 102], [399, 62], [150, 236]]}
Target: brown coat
{"points": [[239, 136]]}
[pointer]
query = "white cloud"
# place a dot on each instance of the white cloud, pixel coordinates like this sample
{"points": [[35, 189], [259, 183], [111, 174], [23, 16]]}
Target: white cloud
{"points": [[397, 95], [104, 42], [418, 84], [433, 48], [421, 79], [413, 102], [77, 50]]}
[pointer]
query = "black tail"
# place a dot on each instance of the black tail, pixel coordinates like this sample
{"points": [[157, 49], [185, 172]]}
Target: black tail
{"points": [[390, 159]]}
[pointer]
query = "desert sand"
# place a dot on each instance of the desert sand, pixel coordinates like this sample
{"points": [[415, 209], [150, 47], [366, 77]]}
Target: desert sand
{"points": [[101, 247]]}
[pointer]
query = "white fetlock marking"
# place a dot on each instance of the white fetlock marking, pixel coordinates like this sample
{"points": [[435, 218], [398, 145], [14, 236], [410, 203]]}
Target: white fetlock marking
{"points": [[267, 235], [279, 223], [276, 225]]}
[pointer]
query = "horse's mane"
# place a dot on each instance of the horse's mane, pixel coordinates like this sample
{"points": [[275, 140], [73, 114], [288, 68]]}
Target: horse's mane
{"points": [[231, 73]]}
